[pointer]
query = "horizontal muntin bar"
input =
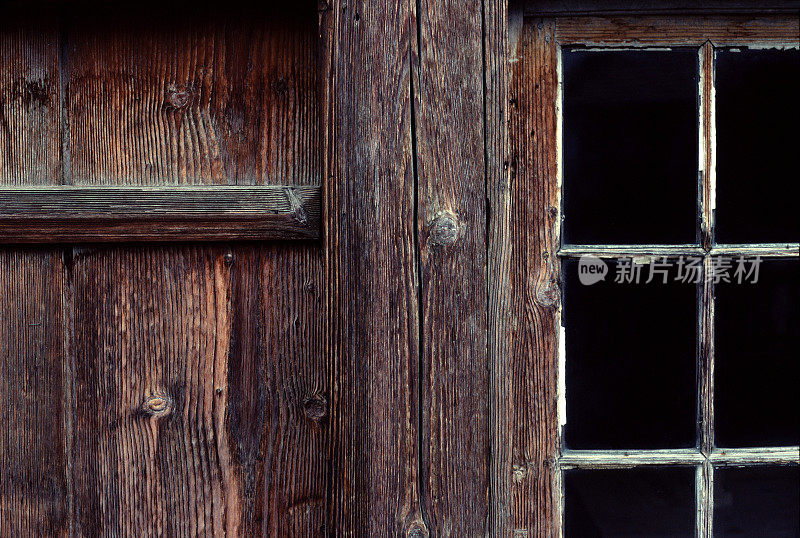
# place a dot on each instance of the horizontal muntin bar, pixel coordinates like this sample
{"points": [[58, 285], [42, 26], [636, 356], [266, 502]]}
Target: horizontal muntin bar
{"points": [[780, 455], [624, 251], [58, 214], [765, 250], [720, 457], [613, 459]]}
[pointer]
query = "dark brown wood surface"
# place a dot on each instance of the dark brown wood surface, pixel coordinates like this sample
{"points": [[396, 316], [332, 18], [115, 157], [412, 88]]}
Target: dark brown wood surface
{"points": [[163, 390], [229, 335], [528, 273], [447, 67], [372, 278], [543, 8], [169, 213], [30, 117], [34, 489], [34, 320], [729, 30]]}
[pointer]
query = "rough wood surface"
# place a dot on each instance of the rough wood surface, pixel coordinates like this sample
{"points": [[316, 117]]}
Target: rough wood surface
{"points": [[372, 337], [500, 32], [30, 145], [75, 214], [33, 476], [229, 336], [526, 268], [451, 227], [761, 30], [202, 100], [34, 487], [157, 390], [642, 7]]}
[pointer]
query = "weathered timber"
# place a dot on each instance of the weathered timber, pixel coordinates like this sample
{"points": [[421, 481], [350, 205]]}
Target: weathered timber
{"points": [[451, 227], [526, 329], [34, 320], [371, 279], [34, 493], [642, 7], [507, 509], [103, 214], [204, 396], [742, 30]]}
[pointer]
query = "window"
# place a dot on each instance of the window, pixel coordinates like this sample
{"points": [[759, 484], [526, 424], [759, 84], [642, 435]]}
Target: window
{"points": [[677, 176]]}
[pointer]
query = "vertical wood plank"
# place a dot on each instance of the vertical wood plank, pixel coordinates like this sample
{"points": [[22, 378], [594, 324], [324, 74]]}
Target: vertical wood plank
{"points": [[371, 281], [33, 484], [525, 268], [501, 36], [30, 152], [34, 488], [150, 450], [202, 100], [451, 222], [248, 455]]}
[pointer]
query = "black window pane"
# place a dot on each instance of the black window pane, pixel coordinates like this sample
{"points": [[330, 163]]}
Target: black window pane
{"points": [[630, 361], [757, 501], [758, 136], [630, 146], [756, 366], [629, 502]]}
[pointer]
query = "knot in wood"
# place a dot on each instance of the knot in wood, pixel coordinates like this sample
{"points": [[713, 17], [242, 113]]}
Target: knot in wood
{"points": [[315, 407], [157, 406], [178, 96], [547, 295], [445, 230], [417, 530]]}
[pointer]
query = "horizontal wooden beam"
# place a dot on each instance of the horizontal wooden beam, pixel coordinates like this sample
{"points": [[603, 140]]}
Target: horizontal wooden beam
{"points": [[551, 8], [732, 30], [66, 214]]}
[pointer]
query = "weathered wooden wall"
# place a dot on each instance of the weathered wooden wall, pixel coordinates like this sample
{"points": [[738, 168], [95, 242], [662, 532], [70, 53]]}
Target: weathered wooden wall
{"points": [[162, 390], [356, 386]]}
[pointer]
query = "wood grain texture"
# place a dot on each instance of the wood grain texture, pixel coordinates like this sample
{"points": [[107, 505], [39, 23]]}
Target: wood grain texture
{"points": [[33, 475], [151, 453], [34, 382], [544, 8], [451, 223], [501, 30], [761, 30], [197, 100], [372, 336], [103, 214], [526, 329], [30, 147], [230, 334]]}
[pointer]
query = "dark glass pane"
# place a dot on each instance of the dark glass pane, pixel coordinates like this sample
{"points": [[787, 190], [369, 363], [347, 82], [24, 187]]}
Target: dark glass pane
{"points": [[630, 143], [630, 361], [757, 361], [629, 502], [758, 136], [757, 501]]}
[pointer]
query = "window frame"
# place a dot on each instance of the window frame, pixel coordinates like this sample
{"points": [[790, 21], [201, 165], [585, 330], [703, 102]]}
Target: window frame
{"points": [[535, 101]]}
